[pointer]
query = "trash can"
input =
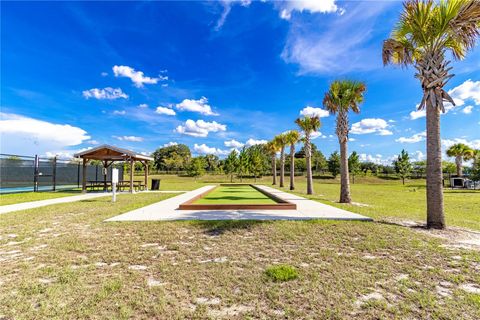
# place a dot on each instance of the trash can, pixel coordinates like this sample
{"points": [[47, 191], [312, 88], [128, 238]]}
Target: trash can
{"points": [[155, 184]]}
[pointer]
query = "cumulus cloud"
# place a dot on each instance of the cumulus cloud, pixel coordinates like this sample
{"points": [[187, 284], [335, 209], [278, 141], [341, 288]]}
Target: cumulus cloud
{"points": [[467, 109], [200, 128], [317, 134], [377, 158], [371, 125], [27, 136], [201, 106], [413, 139], [233, 144], [143, 105], [119, 112], [447, 143], [468, 90], [312, 111], [165, 110], [251, 142], [171, 143], [129, 138], [312, 6], [204, 149], [105, 93], [137, 77]]}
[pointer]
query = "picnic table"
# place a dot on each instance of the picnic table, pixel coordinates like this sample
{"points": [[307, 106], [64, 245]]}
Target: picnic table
{"points": [[121, 185]]}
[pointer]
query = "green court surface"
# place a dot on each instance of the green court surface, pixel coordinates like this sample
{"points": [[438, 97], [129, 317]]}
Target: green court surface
{"points": [[242, 194]]}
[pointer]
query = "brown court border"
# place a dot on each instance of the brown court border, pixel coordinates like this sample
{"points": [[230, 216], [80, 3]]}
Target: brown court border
{"points": [[280, 205]]}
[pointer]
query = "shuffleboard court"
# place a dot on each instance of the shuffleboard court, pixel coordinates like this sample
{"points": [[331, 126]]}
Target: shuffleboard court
{"points": [[228, 194]]}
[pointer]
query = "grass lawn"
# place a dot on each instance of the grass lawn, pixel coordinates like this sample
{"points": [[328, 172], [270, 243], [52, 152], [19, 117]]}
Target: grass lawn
{"points": [[11, 198], [243, 194], [63, 261], [378, 198]]}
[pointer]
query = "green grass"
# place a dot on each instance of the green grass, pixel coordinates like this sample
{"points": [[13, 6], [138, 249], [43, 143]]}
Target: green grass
{"points": [[281, 273], [242, 194], [12, 198], [65, 262], [381, 197]]}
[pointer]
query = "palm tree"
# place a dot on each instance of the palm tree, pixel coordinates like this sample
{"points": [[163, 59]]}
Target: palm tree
{"points": [[342, 97], [292, 138], [425, 32], [461, 152], [308, 125], [272, 149], [281, 142]]}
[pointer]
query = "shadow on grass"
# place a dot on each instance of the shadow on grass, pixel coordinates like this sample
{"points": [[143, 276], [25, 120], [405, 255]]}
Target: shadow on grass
{"points": [[219, 227], [323, 177], [389, 178]]}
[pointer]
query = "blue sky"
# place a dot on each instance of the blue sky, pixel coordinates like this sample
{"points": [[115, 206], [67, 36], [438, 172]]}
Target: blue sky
{"points": [[211, 74]]}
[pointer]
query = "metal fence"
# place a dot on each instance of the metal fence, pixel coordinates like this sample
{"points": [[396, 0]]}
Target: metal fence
{"points": [[27, 173]]}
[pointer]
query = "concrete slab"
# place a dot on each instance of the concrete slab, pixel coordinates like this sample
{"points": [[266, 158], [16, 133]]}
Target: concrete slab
{"points": [[306, 209]]}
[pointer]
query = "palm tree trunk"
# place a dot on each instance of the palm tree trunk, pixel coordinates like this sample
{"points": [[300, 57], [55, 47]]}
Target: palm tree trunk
{"points": [[292, 167], [274, 169], [458, 162], [344, 176], [282, 167], [435, 213], [308, 157]]}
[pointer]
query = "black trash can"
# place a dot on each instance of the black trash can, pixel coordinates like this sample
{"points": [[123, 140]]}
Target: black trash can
{"points": [[155, 184]]}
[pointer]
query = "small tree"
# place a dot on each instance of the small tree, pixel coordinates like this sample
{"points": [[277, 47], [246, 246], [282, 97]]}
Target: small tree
{"points": [[196, 168], [243, 163], [231, 164], [402, 165], [255, 162], [334, 164], [354, 165]]}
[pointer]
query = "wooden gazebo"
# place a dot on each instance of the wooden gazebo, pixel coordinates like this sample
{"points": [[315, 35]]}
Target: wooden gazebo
{"points": [[108, 155]]}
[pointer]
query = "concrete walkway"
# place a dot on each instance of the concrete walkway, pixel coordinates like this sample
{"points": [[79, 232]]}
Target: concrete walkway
{"points": [[306, 209], [42, 203]]}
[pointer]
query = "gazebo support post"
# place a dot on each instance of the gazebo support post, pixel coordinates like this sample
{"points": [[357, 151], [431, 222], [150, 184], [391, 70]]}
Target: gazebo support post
{"points": [[84, 176], [145, 164], [105, 166], [132, 168]]}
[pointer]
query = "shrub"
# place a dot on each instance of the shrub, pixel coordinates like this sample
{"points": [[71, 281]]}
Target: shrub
{"points": [[281, 273]]}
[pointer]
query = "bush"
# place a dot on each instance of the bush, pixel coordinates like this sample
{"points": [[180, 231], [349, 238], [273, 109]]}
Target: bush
{"points": [[281, 273]]}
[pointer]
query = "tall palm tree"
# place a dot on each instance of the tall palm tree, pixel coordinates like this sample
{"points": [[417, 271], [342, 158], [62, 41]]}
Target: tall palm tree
{"points": [[425, 32], [272, 149], [281, 142], [292, 137], [461, 152], [308, 125], [342, 97]]}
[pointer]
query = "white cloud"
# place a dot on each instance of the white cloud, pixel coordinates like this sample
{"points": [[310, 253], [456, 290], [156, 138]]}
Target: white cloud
{"points": [[312, 111], [171, 143], [371, 125], [352, 139], [251, 142], [312, 6], [466, 91], [137, 77], [104, 74], [227, 7], [143, 105], [93, 142], [467, 109], [165, 110], [413, 139], [201, 106], [335, 44], [378, 158], [129, 138], [447, 143], [418, 156], [233, 144], [28, 136], [119, 112], [204, 149], [316, 134], [106, 93], [200, 128]]}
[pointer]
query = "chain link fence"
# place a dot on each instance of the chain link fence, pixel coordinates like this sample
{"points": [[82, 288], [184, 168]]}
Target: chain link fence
{"points": [[27, 173]]}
